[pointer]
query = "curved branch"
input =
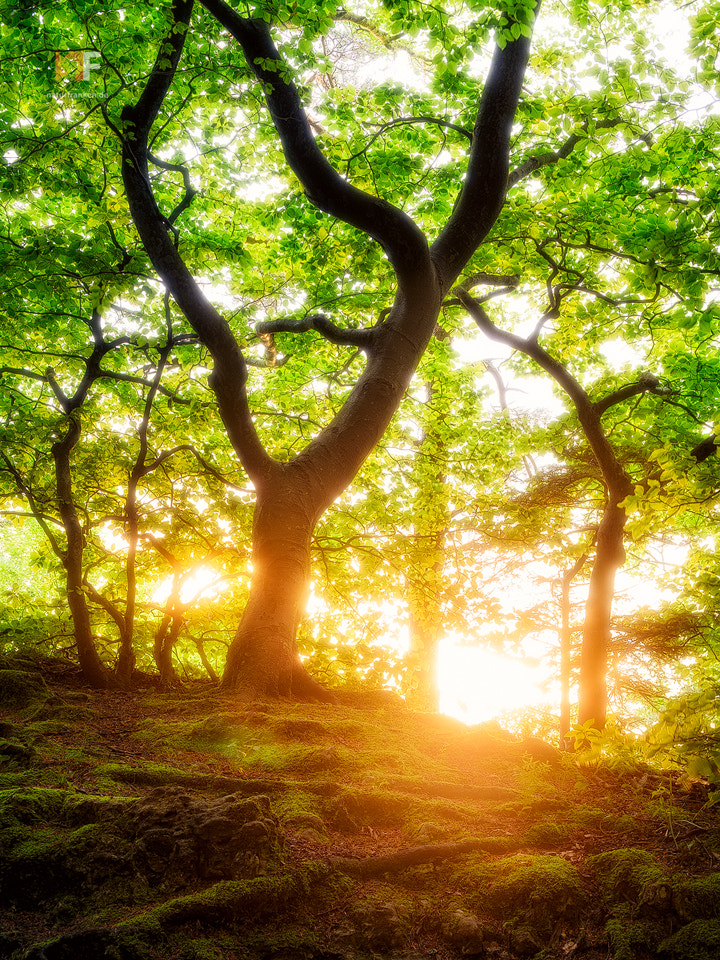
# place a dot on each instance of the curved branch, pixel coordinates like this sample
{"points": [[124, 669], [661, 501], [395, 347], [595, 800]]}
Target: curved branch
{"points": [[341, 336], [647, 383], [588, 412], [402, 121], [230, 370], [190, 191], [486, 182], [401, 239]]}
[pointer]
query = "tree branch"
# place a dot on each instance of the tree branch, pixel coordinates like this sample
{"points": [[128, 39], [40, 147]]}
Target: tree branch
{"points": [[342, 336], [483, 192], [230, 370], [647, 383], [401, 239], [190, 191], [531, 164]]}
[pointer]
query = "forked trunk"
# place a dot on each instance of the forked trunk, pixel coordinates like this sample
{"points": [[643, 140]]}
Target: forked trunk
{"points": [[609, 557]]}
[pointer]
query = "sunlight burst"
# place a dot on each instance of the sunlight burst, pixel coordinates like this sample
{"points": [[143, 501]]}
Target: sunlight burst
{"points": [[477, 684]]}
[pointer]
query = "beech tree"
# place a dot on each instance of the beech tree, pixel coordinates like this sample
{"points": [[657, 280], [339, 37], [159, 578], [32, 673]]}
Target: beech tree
{"points": [[292, 495]]}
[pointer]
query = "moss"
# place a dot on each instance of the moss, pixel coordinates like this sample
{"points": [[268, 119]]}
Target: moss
{"points": [[18, 688], [282, 944], [296, 803], [259, 897], [47, 863], [547, 833], [627, 936], [593, 818], [31, 806], [355, 809], [537, 891], [698, 898], [624, 874], [699, 940]]}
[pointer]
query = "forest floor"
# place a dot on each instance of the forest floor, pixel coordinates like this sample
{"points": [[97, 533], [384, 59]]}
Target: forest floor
{"points": [[181, 824]]}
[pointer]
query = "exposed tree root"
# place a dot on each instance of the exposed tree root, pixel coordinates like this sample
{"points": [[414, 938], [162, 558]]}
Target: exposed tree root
{"points": [[409, 857]]}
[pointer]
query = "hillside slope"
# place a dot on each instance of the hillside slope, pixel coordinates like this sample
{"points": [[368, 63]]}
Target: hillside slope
{"points": [[183, 825]]}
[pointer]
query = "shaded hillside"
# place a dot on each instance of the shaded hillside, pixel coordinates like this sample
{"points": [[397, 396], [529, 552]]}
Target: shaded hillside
{"points": [[181, 825]]}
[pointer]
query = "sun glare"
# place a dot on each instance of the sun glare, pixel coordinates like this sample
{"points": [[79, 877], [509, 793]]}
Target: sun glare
{"points": [[477, 684], [203, 583]]}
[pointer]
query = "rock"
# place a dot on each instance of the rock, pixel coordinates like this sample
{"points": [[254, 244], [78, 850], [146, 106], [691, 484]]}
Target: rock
{"points": [[428, 833], [180, 837], [310, 835], [380, 926], [465, 932], [525, 941], [14, 751], [18, 688]]}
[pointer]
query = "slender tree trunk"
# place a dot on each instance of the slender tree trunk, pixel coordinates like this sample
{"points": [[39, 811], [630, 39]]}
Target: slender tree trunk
{"points": [[91, 665], [424, 647], [200, 646], [126, 654], [565, 651], [431, 520], [163, 647], [609, 557]]}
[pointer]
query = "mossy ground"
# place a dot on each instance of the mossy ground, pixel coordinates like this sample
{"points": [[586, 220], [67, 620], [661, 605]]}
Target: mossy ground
{"points": [[400, 834]]}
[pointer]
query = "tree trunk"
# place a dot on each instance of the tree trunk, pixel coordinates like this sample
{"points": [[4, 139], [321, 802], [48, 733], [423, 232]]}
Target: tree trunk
{"points": [[424, 643], [93, 669], [609, 557], [565, 651], [163, 647], [263, 658]]}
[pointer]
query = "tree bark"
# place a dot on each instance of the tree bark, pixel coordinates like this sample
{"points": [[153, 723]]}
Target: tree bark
{"points": [[263, 658], [91, 665], [566, 649]]}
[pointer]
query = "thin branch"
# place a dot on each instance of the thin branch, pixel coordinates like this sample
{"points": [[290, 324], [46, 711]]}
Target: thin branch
{"points": [[190, 191], [531, 164]]}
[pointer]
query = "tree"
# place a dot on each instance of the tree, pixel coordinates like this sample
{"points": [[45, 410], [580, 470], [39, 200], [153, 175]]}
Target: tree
{"points": [[291, 496]]}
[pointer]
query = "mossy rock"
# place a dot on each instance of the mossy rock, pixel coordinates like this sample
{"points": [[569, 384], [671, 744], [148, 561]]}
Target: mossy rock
{"points": [[15, 754], [592, 818], [46, 863], [623, 875], [697, 899], [537, 892], [630, 937], [699, 940], [18, 688]]}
